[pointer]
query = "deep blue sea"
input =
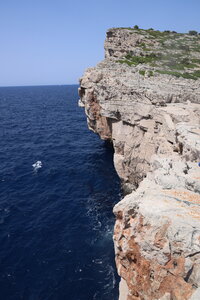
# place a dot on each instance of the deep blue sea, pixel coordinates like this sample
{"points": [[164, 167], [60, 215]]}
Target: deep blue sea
{"points": [[56, 218]]}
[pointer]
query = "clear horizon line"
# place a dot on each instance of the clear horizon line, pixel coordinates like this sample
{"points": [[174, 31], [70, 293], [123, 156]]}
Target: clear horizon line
{"points": [[28, 85]]}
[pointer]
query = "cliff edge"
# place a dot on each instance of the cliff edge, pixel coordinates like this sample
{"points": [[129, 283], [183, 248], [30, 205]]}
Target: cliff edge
{"points": [[145, 98]]}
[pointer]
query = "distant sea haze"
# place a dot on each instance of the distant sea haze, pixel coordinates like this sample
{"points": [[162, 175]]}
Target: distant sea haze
{"points": [[57, 189]]}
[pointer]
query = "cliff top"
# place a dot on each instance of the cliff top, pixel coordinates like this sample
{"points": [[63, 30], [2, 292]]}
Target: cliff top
{"points": [[154, 51]]}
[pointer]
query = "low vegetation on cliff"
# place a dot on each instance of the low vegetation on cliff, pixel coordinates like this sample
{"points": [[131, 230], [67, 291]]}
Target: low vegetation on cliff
{"points": [[166, 52]]}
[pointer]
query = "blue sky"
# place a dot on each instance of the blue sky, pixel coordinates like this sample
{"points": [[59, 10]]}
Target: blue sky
{"points": [[53, 42]]}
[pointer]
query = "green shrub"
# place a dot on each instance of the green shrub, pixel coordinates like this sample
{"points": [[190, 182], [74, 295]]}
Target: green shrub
{"points": [[150, 73], [195, 60], [136, 27], [195, 75], [185, 61], [193, 32], [188, 76], [158, 34], [141, 59], [136, 60], [142, 45], [176, 74], [125, 61], [142, 72]]}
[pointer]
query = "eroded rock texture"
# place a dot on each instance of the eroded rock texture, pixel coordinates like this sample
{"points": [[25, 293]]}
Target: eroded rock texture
{"points": [[154, 125], [157, 232]]}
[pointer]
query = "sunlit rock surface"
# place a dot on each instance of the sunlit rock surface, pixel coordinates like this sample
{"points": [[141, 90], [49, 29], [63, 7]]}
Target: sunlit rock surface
{"points": [[152, 116]]}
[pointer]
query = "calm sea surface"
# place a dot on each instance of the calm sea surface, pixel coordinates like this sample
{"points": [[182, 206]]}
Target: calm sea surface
{"points": [[56, 218]]}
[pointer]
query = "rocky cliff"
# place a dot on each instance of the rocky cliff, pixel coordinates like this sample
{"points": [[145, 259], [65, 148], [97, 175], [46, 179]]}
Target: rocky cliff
{"points": [[145, 98]]}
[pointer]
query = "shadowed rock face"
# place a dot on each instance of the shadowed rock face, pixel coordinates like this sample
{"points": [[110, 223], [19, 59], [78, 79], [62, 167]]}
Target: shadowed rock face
{"points": [[154, 125]]}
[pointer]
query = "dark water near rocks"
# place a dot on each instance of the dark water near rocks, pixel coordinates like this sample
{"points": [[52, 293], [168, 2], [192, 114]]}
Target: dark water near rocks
{"points": [[56, 221]]}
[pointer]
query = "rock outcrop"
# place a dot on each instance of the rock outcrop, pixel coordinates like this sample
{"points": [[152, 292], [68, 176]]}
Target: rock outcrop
{"points": [[152, 116]]}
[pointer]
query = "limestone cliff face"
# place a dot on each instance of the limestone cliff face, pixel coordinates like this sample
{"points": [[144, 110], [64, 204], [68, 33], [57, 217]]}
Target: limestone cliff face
{"points": [[152, 116]]}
